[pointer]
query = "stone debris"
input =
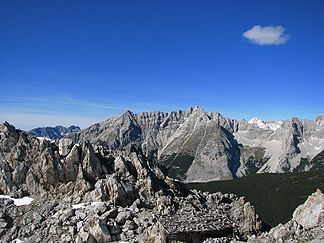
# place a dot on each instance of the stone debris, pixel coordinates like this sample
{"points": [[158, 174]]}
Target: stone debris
{"points": [[85, 193], [306, 225], [78, 192]]}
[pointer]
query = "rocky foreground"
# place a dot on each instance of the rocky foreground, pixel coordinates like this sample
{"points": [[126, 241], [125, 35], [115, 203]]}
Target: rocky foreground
{"points": [[306, 225], [85, 193]]}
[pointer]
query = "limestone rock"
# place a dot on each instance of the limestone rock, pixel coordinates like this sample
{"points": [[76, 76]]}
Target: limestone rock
{"points": [[195, 145], [65, 146], [122, 217], [87, 193], [72, 163], [311, 213], [306, 224], [100, 232]]}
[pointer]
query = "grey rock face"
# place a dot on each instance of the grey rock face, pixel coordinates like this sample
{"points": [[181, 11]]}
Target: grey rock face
{"points": [[54, 132], [85, 193], [195, 145], [190, 144], [287, 144], [311, 213]]}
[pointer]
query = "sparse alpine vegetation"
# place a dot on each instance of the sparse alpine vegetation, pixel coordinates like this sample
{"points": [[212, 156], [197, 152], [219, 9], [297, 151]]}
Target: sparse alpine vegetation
{"points": [[275, 196]]}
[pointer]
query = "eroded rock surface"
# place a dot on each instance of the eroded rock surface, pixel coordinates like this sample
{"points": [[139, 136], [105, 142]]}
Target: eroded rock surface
{"points": [[306, 225], [86, 193], [197, 146]]}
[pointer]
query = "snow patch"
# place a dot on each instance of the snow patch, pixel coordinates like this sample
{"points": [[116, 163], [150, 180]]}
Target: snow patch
{"points": [[44, 138], [84, 205], [19, 201], [79, 205]]}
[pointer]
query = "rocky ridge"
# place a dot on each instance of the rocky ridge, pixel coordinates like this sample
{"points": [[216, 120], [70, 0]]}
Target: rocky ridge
{"points": [[197, 146], [306, 225], [86, 193]]}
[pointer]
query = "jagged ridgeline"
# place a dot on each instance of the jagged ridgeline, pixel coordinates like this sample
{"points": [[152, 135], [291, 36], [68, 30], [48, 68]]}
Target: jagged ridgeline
{"points": [[54, 132], [85, 193], [93, 193], [198, 146]]}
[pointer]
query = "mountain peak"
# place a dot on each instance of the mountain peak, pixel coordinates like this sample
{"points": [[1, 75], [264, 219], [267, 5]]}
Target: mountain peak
{"points": [[320, 118], [128, 115], [194, 108]]}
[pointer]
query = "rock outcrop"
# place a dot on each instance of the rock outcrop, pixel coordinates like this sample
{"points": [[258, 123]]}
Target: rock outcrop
{"points": [[198, 146], [306, 225], [86, 193]]}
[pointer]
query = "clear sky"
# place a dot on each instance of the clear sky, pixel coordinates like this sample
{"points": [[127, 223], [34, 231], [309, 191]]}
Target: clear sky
{"points": [[79, 62]]}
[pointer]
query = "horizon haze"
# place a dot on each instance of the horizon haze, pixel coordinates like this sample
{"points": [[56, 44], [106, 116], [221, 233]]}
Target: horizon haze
{"points": [[78, 62]]}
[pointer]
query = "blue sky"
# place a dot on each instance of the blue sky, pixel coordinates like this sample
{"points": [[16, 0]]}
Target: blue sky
{"points": [[79, 62]]}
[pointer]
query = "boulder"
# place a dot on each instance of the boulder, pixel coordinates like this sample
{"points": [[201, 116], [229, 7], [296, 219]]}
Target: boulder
{"points": [[65, 145]]}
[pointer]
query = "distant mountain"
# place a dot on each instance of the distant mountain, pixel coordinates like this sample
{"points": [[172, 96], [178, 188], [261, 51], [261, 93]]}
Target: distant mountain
{"points": [[196, 146], [54, 132]]}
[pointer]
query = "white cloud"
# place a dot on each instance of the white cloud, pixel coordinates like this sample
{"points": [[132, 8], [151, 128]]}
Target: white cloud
{"points": [[267, 35]]}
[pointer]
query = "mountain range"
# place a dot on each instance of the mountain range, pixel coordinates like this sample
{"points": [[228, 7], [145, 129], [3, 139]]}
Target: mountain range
{"points": [[62, 191], [54, 132], [108, 191], [198, 146]]}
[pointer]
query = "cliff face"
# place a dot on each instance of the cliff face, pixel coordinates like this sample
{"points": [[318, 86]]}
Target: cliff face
{"points": [[195, 145], [84, 193], [188, 143]]}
